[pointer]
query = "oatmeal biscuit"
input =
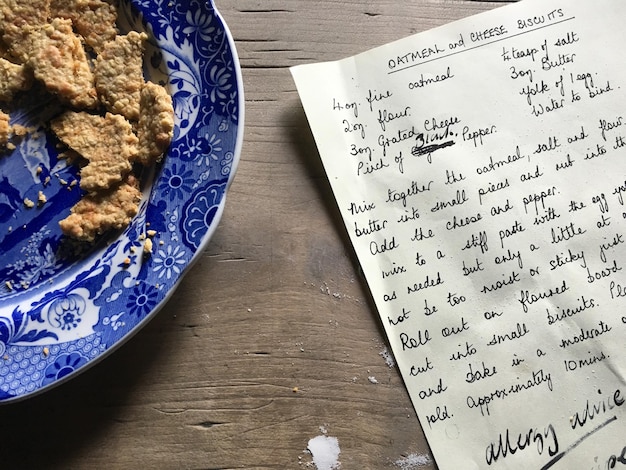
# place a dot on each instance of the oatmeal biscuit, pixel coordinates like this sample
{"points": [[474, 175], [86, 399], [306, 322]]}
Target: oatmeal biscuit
{"points": [[59, 61], [4, 49], [100, 212], [156, 124], [13, 78], [9, 132], [24, 12], [94, 20], [119, 74], [19, 18], [5, 129], [106, 142]]}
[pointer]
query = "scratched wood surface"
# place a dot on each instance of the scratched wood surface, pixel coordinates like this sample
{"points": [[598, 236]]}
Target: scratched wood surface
{"points": [[271, 338]]}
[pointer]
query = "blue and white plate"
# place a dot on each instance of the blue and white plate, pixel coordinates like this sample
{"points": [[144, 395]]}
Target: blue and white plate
{"points": [[61, 311]]}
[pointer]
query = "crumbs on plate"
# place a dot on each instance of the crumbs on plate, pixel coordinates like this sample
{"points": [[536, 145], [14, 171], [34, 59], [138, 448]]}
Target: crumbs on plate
{"points": [[113, 119]]}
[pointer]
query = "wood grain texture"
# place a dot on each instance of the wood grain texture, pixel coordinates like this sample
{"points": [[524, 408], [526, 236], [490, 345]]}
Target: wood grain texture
{"points": [[271, 336]]}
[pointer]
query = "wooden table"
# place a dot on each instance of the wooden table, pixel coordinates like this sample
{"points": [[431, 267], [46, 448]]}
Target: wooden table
{"points": [[272, 338]]}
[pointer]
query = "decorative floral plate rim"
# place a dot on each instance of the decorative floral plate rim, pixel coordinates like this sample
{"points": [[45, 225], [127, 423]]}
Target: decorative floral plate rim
{"points": [[59, 314]]}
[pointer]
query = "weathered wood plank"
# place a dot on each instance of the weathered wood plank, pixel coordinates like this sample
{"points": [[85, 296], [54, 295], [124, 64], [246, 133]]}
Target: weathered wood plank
{"points": [[272, 335]]}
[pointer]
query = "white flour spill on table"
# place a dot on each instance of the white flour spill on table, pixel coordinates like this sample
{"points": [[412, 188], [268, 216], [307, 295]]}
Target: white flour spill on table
{"points": [[388, 357], [325, 451], [412, 462]]}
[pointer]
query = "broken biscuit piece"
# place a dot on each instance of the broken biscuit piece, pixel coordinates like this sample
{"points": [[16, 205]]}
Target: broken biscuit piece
{"points": [[119, 74], [9, 132], [156, 124], [59, 61], [5, 129], [4, 49], [106, 142], [94, 20], [19, 18], [13, 78], [98, 213], [20, 13]]}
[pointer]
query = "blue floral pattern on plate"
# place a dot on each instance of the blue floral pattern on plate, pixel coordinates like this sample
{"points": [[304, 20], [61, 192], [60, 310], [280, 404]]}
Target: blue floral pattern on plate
{"points": [[49, 295]]}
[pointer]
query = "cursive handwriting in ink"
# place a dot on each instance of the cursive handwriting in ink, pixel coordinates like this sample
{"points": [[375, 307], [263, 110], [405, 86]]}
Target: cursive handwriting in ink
{"points": [[509, 443]]}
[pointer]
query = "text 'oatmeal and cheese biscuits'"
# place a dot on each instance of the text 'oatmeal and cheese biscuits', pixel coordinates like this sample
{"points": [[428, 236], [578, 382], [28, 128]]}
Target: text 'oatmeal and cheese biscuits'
{"points": [[106, 142], [99, 212]]}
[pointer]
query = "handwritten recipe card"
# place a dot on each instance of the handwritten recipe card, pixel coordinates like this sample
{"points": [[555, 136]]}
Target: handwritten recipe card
{"points": [[480, 169]]}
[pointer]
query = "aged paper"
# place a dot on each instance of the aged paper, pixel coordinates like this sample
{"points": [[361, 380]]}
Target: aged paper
{"points": [[480, 169]]}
